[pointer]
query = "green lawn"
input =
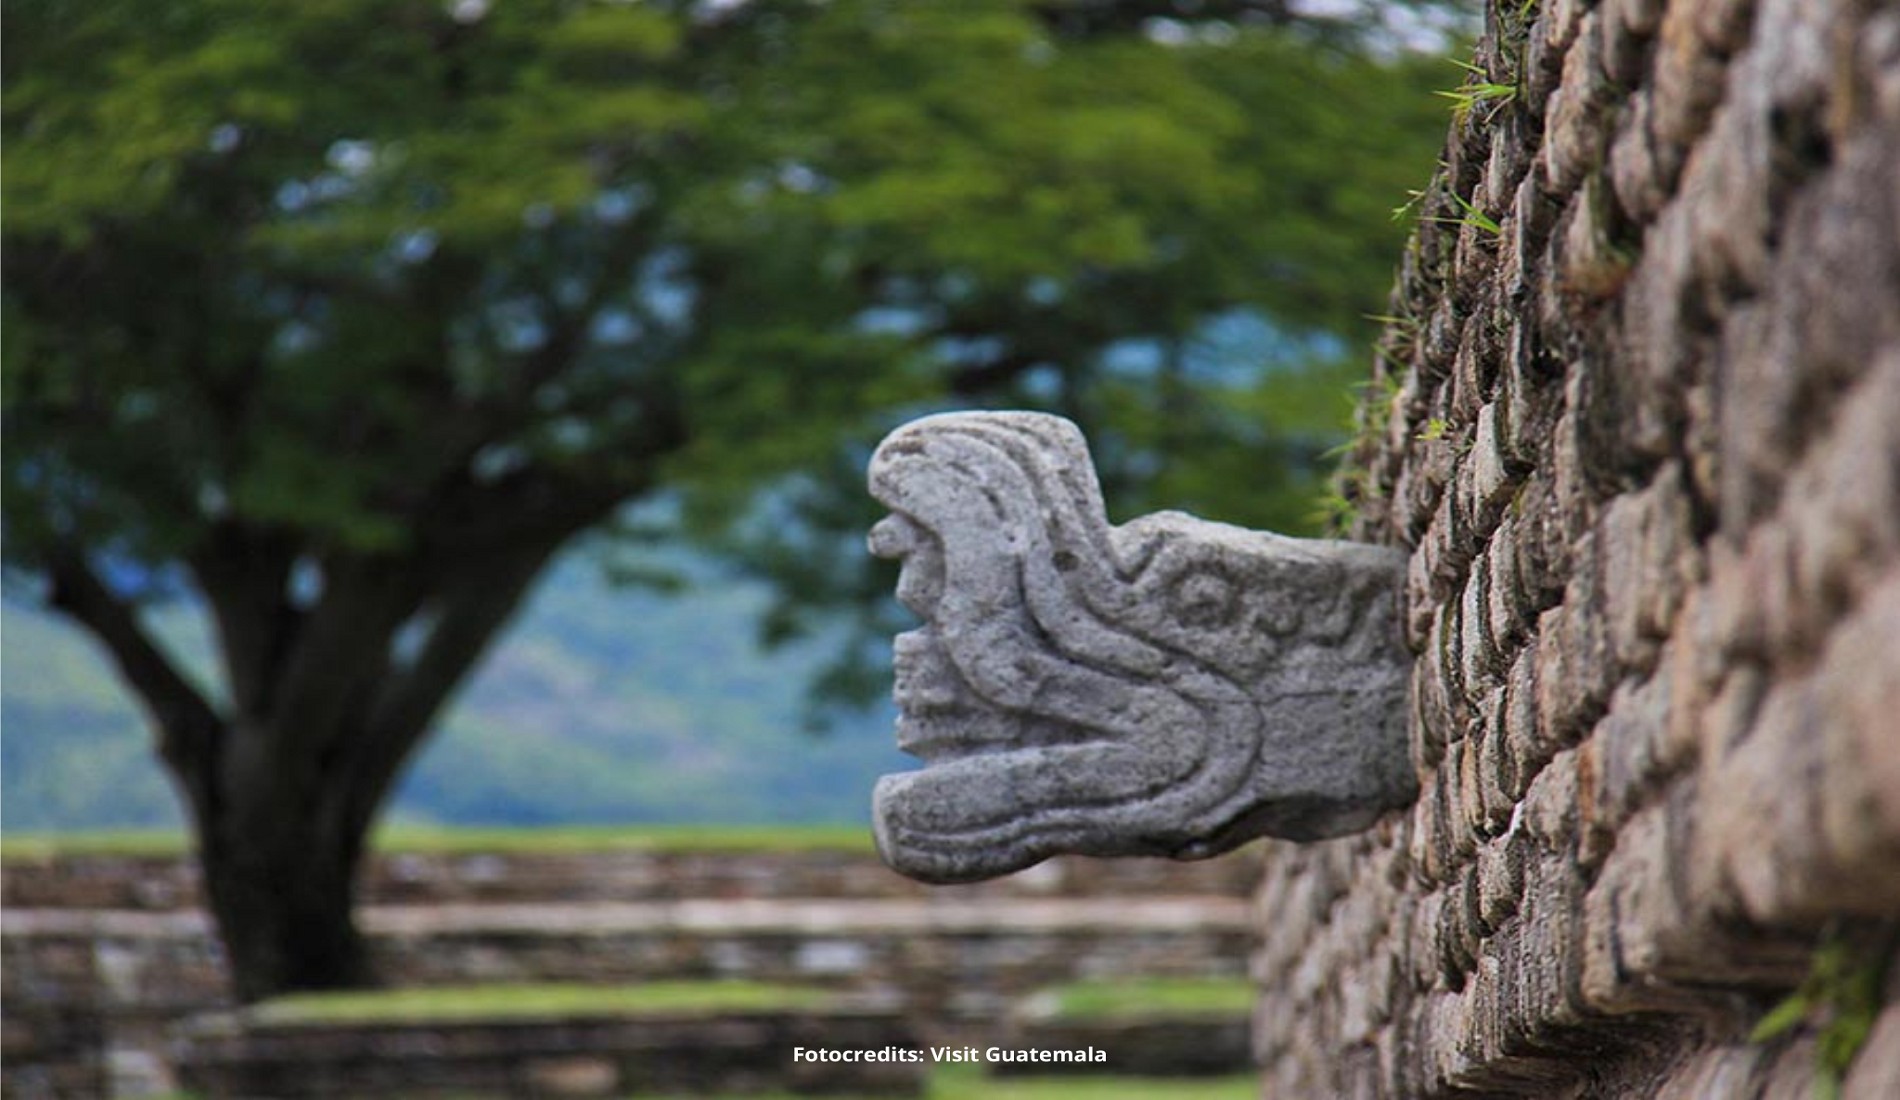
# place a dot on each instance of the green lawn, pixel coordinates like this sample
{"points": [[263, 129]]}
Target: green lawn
{"points": [[29, 847], [518, 1001], [1111, 999], [970, 1083], [416, 838]]}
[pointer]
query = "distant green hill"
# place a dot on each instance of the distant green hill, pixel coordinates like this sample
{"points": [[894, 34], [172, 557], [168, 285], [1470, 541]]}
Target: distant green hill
{"points": [[601, 705]]}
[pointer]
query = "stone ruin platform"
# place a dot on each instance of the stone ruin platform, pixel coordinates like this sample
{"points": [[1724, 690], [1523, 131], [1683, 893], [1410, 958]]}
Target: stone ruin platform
{"points": [[95, 996]]}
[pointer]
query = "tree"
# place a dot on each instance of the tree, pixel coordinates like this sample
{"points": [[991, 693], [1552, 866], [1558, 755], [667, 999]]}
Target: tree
{"points": [[347, 316]]}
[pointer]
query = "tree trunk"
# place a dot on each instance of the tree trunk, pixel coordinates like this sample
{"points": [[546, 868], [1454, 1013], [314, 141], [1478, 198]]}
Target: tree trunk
{"points": [[284, 782], [280, 881], [286, 795]]}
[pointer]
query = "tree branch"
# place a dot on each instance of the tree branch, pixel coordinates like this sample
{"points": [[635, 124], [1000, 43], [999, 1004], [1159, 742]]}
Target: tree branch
{"points": [[571, 327], [488, 554], [478, 519], [340, 653], [188, 727], [244, 574], [975, 378], [468, 518], [470, 616], [494, 418]]}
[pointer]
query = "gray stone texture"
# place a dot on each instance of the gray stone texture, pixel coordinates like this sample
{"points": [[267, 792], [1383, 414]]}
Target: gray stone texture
{"points": [[1168, 687], [1654, 581], [101, 956], [580, 1055]]}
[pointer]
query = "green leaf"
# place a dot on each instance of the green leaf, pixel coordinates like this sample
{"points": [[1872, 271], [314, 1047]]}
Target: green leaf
{"points": [[1782, 1018]]}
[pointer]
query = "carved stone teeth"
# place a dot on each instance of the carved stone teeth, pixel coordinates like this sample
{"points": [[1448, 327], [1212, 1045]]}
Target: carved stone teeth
{"points": [[943, 736]]}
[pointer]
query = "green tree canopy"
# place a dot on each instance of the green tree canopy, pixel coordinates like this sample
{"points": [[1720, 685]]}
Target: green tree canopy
{"points": [[349, 314]]}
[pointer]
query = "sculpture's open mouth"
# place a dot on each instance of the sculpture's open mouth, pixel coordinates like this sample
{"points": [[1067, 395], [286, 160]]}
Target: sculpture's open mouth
{"points": [[932, 715], [940, 719], [941, 737]]}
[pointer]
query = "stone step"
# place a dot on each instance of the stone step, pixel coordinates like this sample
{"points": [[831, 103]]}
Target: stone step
{"points": [[148, 882], [941, 959], [798, 916], [1160, 1046], [731, 1053]]}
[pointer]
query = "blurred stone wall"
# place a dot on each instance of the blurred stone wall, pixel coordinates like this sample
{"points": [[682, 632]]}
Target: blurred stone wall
{"points": [[98, 881], [103, 956], [1637, 418]]}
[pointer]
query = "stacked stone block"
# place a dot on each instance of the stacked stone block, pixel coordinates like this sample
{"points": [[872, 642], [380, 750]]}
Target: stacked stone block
{"points": [[1643, 442]]}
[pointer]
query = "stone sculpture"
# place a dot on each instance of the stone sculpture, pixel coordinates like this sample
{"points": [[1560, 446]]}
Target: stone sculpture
{"points": [[1170, 686]]}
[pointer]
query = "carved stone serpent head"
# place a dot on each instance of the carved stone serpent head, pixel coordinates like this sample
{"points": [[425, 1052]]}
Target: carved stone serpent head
{"points": [[1168, 687]]}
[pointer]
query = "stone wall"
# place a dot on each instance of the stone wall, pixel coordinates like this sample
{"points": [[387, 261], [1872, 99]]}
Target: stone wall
{"points": [[102, 956], [1638, 423], [724, 1054], [95, 881]]}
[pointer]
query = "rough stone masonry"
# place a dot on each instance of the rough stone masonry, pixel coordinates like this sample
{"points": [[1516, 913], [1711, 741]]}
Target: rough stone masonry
{"points": [[1638, 430]]}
